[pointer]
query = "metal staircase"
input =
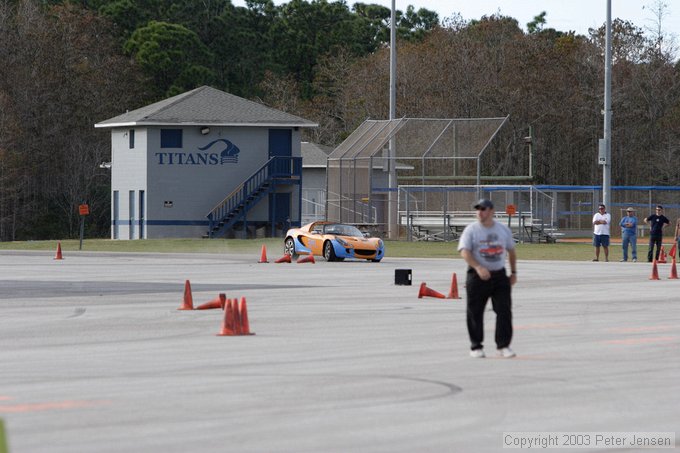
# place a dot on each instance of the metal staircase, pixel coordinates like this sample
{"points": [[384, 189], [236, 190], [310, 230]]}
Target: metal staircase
{"points": [[234, 208]]}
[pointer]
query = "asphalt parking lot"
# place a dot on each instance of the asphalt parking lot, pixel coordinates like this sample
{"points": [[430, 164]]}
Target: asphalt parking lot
{"points": [[96, 358]]}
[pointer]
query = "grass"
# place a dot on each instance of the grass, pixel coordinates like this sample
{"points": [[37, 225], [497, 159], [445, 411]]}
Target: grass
{"points": [[3, 441], [563, 251]]}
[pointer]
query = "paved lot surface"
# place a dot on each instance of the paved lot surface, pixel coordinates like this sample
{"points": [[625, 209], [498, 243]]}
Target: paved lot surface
{"points": [[96, 358]]}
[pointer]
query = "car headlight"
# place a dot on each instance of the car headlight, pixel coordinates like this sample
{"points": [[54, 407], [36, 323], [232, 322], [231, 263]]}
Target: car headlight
{"points": [[342, 242], [380, 244]]}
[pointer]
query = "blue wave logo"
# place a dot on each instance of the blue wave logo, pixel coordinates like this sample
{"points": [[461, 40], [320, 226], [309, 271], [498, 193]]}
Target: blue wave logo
{"points": [[230, 153]]}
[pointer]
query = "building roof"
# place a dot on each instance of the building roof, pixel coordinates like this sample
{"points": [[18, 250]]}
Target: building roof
{"points": [[314, 155], [206, 106]]}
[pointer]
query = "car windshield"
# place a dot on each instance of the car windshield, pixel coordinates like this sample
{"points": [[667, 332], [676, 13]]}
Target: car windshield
{"points": [[342, 230]]}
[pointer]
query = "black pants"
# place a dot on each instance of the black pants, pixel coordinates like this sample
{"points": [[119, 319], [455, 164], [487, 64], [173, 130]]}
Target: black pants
{"points": [[654, 240], [478, 291]]}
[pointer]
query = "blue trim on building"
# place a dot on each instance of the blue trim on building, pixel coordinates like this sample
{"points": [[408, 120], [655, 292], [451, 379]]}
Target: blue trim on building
{"points": [[523, 187], [574, 188], [123, 222], [177, 222]]}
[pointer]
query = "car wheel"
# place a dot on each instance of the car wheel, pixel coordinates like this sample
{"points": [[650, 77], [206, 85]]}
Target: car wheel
{"points": [[329, 251], [289, 247]]}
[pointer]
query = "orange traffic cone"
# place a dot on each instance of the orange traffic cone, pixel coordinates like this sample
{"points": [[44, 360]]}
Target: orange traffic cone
{"points": [[58, 255], [263, 256], [284, 259], [306, 259], [217, 302], [245, 325], [427, 292], [237, 317], [674, 271], [662, 256], [655, 272], [188, 302], [453, 294], [228, 321], [232, 320]]}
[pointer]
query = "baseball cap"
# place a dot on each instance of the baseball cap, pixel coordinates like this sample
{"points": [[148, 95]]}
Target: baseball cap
{"points": [[484, 203], [630, 210]]}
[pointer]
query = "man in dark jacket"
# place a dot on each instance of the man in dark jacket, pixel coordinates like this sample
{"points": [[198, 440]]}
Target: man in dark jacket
{"points": [[657, 222]]}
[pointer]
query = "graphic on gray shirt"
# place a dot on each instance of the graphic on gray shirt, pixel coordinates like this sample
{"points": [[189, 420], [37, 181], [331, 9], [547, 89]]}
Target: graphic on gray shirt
{"points": [[487, 244]]}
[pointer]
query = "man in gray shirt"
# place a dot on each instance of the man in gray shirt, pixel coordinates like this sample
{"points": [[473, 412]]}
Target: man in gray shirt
{"points": [[484, 245]]}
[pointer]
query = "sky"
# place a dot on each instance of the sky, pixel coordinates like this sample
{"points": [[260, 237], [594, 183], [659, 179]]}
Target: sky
{"points": [[562, 15]]}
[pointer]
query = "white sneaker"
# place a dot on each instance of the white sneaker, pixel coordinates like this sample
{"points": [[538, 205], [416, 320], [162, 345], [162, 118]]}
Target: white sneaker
{"points": [[506, 353], [477, 353]]}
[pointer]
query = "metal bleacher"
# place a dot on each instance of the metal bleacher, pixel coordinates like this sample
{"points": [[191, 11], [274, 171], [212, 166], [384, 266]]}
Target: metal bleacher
{"points": [[438, 226]]}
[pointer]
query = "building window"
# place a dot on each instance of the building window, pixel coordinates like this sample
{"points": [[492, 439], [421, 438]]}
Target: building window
{"points": [[171, 138], [131, 135]]}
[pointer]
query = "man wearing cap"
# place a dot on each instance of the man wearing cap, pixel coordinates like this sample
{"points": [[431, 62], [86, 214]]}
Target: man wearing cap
{"points": [[484, 246], [628, 226], [657, 222], [601, 221]]}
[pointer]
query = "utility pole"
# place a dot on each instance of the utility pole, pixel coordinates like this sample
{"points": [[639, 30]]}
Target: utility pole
{"points": [[605, 151], [529, 140], [392, 197]]}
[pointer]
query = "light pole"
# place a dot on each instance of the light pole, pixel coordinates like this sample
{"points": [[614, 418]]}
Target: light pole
{"points": [[529, 140], [392, 228], [605, 151]]}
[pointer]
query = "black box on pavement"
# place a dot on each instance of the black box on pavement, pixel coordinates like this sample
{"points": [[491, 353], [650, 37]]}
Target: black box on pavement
{"points": [[402, 276]]}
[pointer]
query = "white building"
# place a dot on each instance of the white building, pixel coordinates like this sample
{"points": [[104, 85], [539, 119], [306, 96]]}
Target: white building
{"points": [[204, 163], [314, 163]]}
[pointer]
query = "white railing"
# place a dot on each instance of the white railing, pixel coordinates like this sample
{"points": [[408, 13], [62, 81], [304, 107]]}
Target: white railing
{"points": [[352, 211], [440, 212]]}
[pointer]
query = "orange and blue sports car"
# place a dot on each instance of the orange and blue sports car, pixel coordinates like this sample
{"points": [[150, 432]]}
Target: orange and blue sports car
{"points": [[333, 241]]}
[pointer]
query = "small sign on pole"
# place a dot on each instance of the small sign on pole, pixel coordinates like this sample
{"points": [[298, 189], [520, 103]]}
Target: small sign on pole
{"points": [[510, 210], [83, 210]]}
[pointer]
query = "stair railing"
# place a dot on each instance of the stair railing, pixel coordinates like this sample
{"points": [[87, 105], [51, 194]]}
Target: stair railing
{"points": [[276, 167]]}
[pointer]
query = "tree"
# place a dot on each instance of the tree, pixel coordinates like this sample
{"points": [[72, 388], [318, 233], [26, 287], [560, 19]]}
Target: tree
{"points": [[130, 15], [242, 42], [537, 24], [171, 54], [664, 43], [411, 26], [63, 74], [307, 31]]}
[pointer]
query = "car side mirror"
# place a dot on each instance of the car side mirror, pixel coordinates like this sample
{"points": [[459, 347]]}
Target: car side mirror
{"points": [[365, 234]]}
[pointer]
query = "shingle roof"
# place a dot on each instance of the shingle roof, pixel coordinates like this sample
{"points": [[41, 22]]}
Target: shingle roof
{"points": [[314, 155], [206, 106]]}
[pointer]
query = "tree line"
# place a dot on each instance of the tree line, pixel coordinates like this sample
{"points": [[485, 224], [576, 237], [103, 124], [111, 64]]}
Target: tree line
{"points": [[69, 65]]}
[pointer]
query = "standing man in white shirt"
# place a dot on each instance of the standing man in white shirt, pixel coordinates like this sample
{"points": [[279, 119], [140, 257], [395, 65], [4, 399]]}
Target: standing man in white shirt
{"points": [[601, 221]]}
